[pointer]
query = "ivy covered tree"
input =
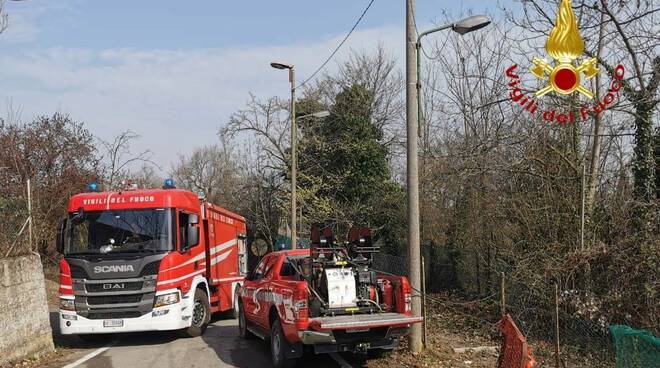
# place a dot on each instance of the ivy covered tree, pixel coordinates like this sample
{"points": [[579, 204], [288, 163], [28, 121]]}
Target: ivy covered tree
{"points": [[345, 176]]}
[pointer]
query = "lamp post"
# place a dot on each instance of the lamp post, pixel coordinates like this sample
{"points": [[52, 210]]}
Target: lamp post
{"points": [[413, 89], [292, 80], [461, 27]]}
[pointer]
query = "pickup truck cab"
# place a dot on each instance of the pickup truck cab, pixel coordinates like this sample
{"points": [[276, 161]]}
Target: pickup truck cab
{"points": [[274, 304]]}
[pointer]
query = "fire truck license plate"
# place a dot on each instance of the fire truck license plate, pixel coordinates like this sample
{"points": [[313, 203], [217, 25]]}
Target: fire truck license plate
{"points": [[113, 323]]}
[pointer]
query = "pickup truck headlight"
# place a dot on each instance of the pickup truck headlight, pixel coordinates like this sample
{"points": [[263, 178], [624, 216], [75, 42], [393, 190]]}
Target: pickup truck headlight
{"points": [[67, 304], [166, 299]]}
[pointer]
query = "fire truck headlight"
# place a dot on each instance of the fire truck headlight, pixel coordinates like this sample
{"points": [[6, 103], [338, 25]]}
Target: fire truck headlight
{"points": [[67, 304], [166, 299], [69, 317]]}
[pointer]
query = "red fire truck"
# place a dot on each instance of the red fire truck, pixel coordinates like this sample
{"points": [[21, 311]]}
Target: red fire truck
{"points": [[147, 260]]}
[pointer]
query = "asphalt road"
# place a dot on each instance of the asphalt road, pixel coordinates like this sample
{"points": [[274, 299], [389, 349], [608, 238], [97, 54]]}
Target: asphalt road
{"points": [[220, 346]]}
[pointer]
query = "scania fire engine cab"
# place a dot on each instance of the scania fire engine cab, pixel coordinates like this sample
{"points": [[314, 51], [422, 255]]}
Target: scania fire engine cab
{"points": [[147, 260]]}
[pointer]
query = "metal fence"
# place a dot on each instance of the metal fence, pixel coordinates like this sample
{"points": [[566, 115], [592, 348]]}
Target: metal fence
{"points": [[559, 325], [390, 264]]}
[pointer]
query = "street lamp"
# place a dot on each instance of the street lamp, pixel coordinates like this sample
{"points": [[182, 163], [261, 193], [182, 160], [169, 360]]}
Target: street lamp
{"points": [[318, 115], [292, 80], [461, 27], [413, 89]]}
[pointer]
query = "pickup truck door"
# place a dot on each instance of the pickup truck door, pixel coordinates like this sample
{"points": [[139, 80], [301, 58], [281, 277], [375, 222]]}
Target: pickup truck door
{"points": [[256, 293], [249, 287], [263, 297]]}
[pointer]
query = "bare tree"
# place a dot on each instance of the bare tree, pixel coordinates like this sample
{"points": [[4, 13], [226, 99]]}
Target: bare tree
{"points": [[146, 176], [118, 159], [59, 156], [377, 72], [266, 125], [210, 171], [620, 32], [4, 18]]}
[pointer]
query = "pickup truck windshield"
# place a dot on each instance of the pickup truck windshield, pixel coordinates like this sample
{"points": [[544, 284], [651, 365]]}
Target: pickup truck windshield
{"points": [[121, 231]]}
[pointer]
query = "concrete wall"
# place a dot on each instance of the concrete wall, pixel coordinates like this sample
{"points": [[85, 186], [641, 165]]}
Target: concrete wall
{"points": [[24, 322]]}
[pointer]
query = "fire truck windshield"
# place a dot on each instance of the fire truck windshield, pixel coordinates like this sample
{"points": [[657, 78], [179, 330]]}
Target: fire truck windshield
{"points": [[121, 231]]}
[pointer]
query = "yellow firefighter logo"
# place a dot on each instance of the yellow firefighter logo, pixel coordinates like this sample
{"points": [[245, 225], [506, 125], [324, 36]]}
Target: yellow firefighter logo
{"points": [[565, 45]]}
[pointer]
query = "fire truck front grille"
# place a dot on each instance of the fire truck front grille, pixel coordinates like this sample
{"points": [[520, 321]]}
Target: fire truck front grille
{"points": [[114, 299], [116, 287], [113, 315], [131, 297]]}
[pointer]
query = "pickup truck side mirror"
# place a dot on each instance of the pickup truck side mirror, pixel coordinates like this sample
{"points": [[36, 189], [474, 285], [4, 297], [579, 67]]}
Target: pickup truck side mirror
{"points": [[61, 232]]}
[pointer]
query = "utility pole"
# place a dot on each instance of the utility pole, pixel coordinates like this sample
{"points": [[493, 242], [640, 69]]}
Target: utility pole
{"points": [[413, 107], [415, 337]]}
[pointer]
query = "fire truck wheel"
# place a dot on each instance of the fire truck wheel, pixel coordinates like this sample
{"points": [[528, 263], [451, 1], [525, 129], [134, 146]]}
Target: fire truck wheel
{"points": [[201, 315], [278, 346], [243, 332], [234, 310]]}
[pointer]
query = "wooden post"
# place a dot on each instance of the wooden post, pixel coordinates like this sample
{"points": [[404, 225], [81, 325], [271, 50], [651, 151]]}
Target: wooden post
{"points": [[582, 217], [29, 203], [557, 326], [503, 295], [424, 302]]}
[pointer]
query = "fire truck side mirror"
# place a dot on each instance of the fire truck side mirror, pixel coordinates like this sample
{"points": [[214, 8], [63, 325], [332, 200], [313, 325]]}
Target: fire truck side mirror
{"points": [[193, 219], [193, 236], [61, 231]]}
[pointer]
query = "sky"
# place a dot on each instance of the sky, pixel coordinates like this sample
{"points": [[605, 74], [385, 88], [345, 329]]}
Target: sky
{"points": [[174, 71]]}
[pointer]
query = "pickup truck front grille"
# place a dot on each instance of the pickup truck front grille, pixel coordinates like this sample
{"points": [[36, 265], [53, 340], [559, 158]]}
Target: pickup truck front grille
{"points": [[114, 299]]}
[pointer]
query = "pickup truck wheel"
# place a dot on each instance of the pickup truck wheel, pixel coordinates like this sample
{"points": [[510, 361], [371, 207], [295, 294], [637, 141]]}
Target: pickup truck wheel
{"points": [[243, 332], [201, 315], [278, 347]]}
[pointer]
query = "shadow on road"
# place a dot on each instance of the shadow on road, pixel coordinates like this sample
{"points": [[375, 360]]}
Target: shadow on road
{"points": [[222, 336], [221, 339]]}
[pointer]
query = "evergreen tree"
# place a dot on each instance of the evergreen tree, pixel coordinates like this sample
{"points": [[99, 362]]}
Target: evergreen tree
{"points": [[345, 176]]}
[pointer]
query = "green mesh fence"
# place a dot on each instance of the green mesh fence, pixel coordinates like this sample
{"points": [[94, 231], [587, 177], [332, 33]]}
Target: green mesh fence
{"points": [[635, 348]]}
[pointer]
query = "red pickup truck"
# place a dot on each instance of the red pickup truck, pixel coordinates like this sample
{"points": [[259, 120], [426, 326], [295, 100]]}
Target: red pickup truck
{"points": [[278, 303]]}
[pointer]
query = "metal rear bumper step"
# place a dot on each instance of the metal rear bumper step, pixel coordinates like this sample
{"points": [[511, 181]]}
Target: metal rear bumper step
{"points": [[363, 321]]}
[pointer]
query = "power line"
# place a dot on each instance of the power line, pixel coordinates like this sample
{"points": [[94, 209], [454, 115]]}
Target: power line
{"points": [[338, 46]]}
